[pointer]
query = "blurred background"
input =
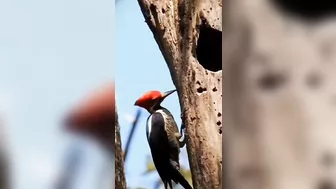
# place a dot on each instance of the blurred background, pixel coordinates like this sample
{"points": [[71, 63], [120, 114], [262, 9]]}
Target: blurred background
{"points": [[52, 53], [140, 68]]}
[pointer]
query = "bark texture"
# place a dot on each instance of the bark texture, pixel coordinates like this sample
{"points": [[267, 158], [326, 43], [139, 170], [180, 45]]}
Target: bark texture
{"points": [[120, 181], [177, 26], [279, 97]]}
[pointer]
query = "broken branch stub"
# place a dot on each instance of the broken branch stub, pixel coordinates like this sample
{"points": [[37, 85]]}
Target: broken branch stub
{"points": [[188, 34]]}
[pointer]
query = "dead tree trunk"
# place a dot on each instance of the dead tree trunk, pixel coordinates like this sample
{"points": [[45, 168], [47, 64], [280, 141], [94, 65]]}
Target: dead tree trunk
{"points": [[120, 181], [188, 34], [279, 95]]}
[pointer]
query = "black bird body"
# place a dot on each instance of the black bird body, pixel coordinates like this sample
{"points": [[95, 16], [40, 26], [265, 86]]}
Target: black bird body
{"points": [[163, 138]]}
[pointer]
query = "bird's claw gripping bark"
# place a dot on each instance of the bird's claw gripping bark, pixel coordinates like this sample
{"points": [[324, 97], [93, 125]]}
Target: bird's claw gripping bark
{"points": [[175, 165], [182, 131], [183, 142], [182, 126], [178, 136]]}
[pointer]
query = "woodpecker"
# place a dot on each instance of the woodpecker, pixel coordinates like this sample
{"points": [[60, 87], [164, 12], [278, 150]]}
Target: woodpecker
{"points": [[163, 138]]}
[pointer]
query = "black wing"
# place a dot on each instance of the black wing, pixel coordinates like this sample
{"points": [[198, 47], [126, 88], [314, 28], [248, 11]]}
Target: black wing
{"points": [[159, 145]]}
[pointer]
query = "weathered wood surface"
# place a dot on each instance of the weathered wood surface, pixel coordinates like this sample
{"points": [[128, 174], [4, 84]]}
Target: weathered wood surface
{"points": [[279, 98]]}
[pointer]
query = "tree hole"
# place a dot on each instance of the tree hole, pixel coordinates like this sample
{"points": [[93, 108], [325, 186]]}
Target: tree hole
{"points": [[325, 184], [271, 81], [314, 80], [327, 160], [201, 89], [308, 10], [219, 123], [219, 114], [251, 173], [327, 49], [209, 48]]}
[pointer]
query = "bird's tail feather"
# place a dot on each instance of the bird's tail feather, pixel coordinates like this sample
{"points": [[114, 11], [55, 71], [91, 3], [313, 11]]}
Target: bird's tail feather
{"points": [[170, 184], [178, 178]]}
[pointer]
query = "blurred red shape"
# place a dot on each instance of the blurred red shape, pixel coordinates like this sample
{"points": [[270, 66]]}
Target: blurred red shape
{"points": [[95, 116]]}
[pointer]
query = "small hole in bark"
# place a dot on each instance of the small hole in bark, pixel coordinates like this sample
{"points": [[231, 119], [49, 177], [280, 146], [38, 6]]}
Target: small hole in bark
{"points": [[214, 89], [328, 160], [314, 80], [250, 173], [325, 184], [201, 89], [214, 102], [198, 83], [219, 114], [327, 49], [308, 10], [271, 81], [219, 123], [163, 10], [209, 48], [220, 130]]}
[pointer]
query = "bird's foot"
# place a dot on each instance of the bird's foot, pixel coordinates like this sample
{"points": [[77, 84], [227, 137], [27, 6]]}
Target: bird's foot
{"points": [[175, 165], [182, 128], [178, 135]]}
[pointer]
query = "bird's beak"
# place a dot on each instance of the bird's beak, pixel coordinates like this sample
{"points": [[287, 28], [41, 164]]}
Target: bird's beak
{"points": [[165, 94], [136, 103]]}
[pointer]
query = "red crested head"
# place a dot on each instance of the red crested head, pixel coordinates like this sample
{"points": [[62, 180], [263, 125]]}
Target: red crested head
{"points": [[152, 98]]}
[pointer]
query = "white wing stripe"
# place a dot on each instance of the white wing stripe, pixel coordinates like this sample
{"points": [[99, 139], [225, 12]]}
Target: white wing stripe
{"points": [[164, 115], [149, 126], [149, 123]]}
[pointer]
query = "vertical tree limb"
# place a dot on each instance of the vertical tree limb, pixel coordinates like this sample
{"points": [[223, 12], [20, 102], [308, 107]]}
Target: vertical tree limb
{"points": [[4, 160], [120, 181], [131, 134], [4, 170]]}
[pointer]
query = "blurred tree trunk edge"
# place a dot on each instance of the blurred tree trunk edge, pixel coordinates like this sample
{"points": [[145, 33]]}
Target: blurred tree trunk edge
{"points": [[5, 160], [188, 34], [4, 170], [120, 181]]}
